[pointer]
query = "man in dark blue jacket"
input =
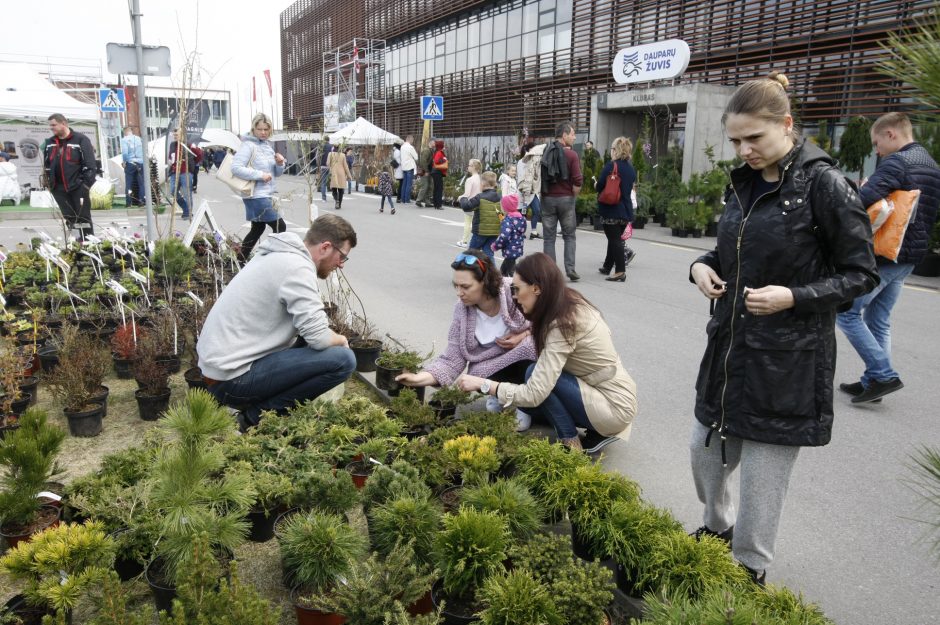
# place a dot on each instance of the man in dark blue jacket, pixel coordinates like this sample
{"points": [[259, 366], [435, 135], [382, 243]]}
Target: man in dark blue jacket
{"points": [[905, 165]]}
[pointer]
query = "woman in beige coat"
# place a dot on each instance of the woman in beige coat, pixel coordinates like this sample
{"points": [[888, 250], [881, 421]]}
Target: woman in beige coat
{"points": [[339, 174], [578, 380]]}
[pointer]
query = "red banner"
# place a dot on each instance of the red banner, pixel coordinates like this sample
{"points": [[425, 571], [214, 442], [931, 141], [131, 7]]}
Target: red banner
{"points": [[267, 76]]}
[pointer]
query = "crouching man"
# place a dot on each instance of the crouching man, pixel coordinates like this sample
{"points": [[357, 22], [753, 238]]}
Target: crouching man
{"points": [[248, 348]]}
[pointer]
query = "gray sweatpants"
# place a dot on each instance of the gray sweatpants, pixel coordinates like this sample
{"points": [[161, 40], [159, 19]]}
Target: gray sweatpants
{"points": [[557, 210], [765, 475]]}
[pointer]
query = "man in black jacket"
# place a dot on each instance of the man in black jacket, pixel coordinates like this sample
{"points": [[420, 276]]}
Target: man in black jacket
{"points": [[69, 162], [905, 165]]}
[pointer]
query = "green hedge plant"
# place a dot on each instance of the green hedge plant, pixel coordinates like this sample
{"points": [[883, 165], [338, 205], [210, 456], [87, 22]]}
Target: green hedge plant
{"points": [[508, 498], [515, 598], [471, 547]]}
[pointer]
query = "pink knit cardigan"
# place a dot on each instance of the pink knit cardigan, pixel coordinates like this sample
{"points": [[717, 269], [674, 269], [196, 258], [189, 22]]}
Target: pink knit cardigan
{"points": [[463, 348]]}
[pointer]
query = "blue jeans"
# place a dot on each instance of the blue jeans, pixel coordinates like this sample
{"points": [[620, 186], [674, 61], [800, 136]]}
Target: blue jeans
{"points": [[406, 183], [563, 408], [134, 179], [867, 324], [482, 243], [324, 182], [536, 207], [278, 380], [183, 191]]}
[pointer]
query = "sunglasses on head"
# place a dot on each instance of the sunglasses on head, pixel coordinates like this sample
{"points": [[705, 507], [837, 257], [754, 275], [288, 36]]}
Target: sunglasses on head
{"points": [[470, 260]]}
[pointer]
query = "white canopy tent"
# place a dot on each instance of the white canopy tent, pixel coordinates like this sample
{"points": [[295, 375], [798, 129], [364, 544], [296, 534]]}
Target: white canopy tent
{"points": [[363, 132], [24, 94], [211, 137]]}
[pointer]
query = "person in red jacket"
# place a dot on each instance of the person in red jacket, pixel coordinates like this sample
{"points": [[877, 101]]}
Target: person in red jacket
{"points": [[182, 161], [69, 161]]}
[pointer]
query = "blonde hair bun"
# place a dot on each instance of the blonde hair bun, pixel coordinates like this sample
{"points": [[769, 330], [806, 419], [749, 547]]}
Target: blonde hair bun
{"points": [[780, 78]]}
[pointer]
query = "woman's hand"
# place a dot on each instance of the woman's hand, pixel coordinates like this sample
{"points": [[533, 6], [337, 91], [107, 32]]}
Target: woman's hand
{"points": [[422, 378], [511, 340], [469, 383], [279, 159], [708, 282], [768, 300], [265, 177]]}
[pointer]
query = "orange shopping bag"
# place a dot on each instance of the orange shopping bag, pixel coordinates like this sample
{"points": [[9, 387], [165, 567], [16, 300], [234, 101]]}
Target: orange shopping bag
{"points": [[889, 219]]}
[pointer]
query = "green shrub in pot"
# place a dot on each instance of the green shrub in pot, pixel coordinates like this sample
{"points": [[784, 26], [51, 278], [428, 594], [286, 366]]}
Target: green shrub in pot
{"points": [[516, 597], [406, 519], [471, 546], [317, 548], [508, 498]]}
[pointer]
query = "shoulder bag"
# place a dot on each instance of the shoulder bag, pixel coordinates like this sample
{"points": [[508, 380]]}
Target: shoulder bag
{"points": [[611, 192], [244, 188]]}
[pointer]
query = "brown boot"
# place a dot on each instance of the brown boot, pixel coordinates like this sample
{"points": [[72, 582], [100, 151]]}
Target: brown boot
{"points": [[573, 444]]}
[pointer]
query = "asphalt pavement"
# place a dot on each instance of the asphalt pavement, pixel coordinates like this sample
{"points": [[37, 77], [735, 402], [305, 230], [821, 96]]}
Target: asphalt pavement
{"points": [[849, 539]]}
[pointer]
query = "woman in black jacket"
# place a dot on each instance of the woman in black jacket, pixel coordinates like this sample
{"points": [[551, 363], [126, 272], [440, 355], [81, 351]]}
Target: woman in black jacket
{"points": [[794, 244], [616, 216]]}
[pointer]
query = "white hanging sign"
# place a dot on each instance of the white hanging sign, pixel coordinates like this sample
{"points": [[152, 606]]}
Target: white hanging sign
{"points": [[652, 61]]}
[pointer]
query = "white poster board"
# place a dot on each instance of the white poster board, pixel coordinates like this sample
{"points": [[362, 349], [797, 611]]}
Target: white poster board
{"points": [[22, 141]]}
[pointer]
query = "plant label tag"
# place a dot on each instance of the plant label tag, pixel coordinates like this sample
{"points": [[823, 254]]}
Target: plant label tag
{"points": [[48, 495], [115, 286], [138, 276], [62, 288], [94, 257], [3, 301], [64, 266], [195, 298], [3, 257]]}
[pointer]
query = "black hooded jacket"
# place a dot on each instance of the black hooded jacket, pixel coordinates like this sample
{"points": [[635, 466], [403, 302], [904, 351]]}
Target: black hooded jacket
{"points": [[69, 162], [769, 378]]}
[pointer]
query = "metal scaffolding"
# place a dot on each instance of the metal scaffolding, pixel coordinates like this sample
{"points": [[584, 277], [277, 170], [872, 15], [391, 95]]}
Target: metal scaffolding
{"points": [[354, 83]]}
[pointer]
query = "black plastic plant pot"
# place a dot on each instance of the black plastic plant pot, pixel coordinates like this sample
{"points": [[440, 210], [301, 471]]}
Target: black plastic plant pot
{"points": [[123, 367], [20, 405], [31, 385], [262, 526], [366, 351], [49, 358], [151, 407], [413, 433], [194, 379], [101, 397], [442, 412], [162, 590], [126, 568], [170, 362], [23, 613], [86, 423], [580, 545], [385, 379], [449, 617]]}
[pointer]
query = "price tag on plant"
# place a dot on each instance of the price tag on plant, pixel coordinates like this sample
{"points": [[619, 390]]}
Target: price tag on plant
{"points": [[115, 286], [195, 298]]}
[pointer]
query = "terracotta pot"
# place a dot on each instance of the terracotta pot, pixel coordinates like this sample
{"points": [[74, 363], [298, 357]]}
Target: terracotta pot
{"points": [[309, 616], [49, 517]]}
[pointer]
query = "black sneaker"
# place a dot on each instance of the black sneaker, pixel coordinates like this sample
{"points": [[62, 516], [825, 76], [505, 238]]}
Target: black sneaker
{"points": [[760, 580], [593, 442], [573, 276], [876, 390], [727, 535], [855, 389]]}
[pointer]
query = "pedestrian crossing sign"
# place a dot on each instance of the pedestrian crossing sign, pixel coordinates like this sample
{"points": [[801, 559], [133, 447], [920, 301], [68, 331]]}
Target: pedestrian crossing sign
{"points": [[112, 100], [432, 107]]}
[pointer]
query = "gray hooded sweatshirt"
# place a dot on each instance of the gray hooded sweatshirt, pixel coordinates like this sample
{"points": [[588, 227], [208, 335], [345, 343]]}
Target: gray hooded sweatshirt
{"points": [[264, 308]]}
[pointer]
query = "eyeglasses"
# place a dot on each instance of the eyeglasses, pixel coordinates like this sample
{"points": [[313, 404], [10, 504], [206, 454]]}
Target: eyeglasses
{"points": [[342, 257], [470, 260]]}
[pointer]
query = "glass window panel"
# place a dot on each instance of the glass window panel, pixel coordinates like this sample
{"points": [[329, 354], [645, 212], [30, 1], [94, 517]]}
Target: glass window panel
{"points": [[486, 54], [439, 66], [429, 68], [440, 49], [473, 57], [486, 30], [563, 36], [419, 71], [530, 17], [499, 51], [513, 47], [499, 27], [547, 18], [462, 38], [439, 39], [397, 78], [563, 12], [462, 60], [414, 52], [546, 40], [473, 34], [514, 22], [530, 44], [451, 63], [429, 48]]}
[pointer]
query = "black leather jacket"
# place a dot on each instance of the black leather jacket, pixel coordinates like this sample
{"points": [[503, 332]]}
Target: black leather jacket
{"points": [[769, 378], [69, 162]]}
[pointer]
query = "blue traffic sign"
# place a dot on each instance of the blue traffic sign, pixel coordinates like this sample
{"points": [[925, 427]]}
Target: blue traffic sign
{"points": [[432, 107], [112, 101]]}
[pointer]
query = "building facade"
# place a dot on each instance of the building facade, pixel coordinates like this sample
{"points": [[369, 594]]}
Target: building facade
{"points": [[505, 66]]}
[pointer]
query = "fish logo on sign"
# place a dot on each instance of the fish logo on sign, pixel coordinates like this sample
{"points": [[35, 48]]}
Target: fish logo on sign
{"points": [[631, 64]]}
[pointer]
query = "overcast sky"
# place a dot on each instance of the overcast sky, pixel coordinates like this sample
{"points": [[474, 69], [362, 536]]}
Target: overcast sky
{"points": [[235, 40]]}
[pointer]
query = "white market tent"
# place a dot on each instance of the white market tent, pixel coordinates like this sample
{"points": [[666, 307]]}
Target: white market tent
{"points": [[211, 137], [363, 132], [24, 94]]}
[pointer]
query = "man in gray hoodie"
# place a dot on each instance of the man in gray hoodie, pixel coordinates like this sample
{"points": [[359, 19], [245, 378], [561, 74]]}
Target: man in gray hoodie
{"points": [[247, 347]]}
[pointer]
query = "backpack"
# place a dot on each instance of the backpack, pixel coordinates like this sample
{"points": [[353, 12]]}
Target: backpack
{"points": [[611, 192]]}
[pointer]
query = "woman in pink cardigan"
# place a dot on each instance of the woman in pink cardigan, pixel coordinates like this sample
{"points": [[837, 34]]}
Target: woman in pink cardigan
{"points": [[488, 336]]}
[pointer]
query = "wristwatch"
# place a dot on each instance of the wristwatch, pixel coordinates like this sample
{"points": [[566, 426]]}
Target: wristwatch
{"points": [[485, 387]]}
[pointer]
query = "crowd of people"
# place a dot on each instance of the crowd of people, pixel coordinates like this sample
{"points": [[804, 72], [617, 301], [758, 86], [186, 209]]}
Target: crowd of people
{"points": [[794, 258]]}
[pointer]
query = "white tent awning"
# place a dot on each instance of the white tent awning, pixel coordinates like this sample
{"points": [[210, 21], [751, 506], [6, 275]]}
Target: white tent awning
{"points": [[24, 94], [363, 132]]}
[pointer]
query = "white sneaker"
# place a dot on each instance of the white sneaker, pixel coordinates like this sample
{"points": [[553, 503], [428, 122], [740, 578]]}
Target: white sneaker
{"points": [[492, 404], [523, 421]]}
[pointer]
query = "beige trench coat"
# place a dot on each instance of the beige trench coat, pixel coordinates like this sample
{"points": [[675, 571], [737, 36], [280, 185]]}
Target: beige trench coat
{"points": [[339, 170], [607, 390]]}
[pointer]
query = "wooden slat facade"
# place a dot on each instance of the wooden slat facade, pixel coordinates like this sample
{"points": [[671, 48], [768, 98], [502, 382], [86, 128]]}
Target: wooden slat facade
{"points": [[828, 49]]}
